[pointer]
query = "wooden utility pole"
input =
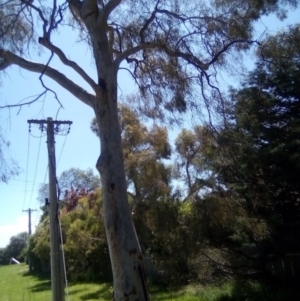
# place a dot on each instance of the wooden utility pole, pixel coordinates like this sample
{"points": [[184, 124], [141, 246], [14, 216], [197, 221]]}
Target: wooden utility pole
{"points": [[29, 210], [29, 218], [57, 275]]}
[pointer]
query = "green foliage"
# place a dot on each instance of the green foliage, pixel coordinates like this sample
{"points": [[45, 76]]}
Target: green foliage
{"points": [[144, 151], [2, 256], [15, 248], [85, 246], [72, 179], [267, 118], [39, 246], [256, 160], [77, 179], [192, 166]]}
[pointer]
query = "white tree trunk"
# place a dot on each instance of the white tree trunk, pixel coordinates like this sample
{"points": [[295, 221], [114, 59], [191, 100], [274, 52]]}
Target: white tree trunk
{"points": [[125, 254]]}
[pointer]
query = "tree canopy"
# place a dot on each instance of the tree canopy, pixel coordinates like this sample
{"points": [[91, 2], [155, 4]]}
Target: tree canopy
{"points": [[256, 155], [173, 50], [15, 248]]}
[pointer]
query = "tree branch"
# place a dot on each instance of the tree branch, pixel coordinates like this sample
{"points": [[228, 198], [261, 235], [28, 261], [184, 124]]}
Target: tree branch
{"points": [[22, 104], [227, 46], [68, 62], [147, 23], [39, 11], [186, 56], [109, 7], [12, 59]]}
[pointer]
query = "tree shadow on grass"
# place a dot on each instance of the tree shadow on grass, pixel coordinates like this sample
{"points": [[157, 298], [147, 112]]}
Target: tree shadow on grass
{"points": [[43, 279], [76, 291], [255, 291], [103, 293], [39, 276], [43, 286]]}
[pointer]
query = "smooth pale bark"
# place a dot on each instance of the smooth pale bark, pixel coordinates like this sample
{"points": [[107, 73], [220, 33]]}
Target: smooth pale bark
{"points": [[125, 254], [124, 250]]}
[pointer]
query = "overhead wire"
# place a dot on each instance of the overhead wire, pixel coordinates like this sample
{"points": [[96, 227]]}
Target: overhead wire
{"points": [[60, 154], [44, 182], [25, 192], [37, 201], [59, 222], [63, 259], [34, 180], [36, 167]]}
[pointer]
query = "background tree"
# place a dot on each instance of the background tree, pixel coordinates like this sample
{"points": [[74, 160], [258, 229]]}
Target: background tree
{"points": [[73, 179], [145, 153], [85, 246], [173, 52], [2, 256], [257, 154], [192, 166], [15, 248]]}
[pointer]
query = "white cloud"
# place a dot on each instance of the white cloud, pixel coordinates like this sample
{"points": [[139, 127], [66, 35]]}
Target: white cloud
{"points": [[20, 224]]}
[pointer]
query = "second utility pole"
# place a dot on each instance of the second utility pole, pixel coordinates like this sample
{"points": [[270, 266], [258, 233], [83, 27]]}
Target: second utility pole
{"points": [[29, 210]]}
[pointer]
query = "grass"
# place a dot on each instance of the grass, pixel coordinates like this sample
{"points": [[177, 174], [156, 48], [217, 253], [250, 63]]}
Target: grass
{"points": [[16, 284]]}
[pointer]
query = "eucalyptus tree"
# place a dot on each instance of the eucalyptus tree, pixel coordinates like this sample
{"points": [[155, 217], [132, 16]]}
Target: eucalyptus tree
{"points": [[172, 51], [144, 149], [75, 180], [192, 165], [255, 158]]}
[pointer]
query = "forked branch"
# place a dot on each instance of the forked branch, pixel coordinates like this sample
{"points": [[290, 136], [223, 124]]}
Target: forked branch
{"points": [[8, 58], [68, 62]]}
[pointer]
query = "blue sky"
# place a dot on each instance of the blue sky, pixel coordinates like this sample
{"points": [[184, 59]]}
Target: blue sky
{"points": [[80, 149]]}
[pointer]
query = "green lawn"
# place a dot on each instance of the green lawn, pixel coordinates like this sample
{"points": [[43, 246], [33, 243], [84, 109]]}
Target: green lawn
{"points": [[16, 284]]}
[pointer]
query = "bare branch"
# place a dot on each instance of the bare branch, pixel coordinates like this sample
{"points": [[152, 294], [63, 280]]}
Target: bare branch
{"points": [[188, 57], [61, 79], [227, 46], [133, 76], [147, 23], [109, 7], [43, 84], [20, 104], [45, 21], [52, 18], [46, 43]]}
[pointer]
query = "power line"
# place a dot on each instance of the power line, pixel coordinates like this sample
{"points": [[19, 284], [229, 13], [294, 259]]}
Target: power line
{"points": [[18, 180], [25, 192], [37, 201], [59, 157], [36, 167]]}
